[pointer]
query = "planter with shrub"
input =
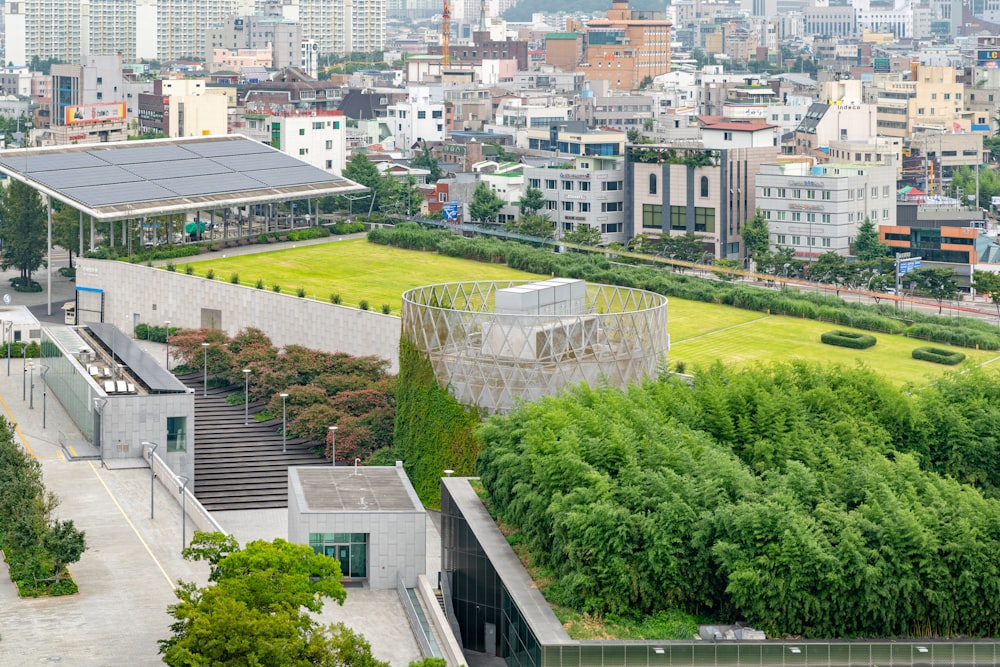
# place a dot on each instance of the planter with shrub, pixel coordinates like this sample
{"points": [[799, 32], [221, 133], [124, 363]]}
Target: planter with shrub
{"points": [[938, 356], [851, 339]]}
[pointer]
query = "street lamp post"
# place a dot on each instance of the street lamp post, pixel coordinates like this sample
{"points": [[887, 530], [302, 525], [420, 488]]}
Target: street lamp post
{"points": [[204, 346], [284, 423], [10, 330], [24, 384], [31, 387], [152, 475], [167, 323], [333, 445], [246, 396], [182, 490]]}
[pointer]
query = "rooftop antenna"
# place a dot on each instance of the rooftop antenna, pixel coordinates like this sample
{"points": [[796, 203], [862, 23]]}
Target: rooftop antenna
{"points": [[482, 15]]}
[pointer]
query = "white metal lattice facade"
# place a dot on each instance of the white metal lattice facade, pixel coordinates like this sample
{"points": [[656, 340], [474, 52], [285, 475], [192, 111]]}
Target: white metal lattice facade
{"points": [[491, 359]]}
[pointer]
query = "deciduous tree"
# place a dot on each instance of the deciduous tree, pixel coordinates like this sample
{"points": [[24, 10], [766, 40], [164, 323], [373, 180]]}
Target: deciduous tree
{"points": [[22, 229], [485, 205]]}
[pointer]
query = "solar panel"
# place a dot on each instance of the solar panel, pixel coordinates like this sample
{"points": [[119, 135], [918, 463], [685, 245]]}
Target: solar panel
{"points": [[222, 148], [136, 154], [196, 186], [269, 160], [73, 178], [114, 180], [177, 168], [284, 177], [117, 193]]}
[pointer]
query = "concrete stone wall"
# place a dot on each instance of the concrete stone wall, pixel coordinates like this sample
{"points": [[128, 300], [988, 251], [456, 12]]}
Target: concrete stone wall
{"points": [[129, 420], [136, 292]]}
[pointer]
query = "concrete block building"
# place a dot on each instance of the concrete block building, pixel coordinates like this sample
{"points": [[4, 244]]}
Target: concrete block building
{"points": [[367, 517]]}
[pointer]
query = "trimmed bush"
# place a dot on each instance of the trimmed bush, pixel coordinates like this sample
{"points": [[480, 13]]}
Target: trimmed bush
{"points": [[234, 278], [363, 304], [386, 309], [259, 284], [938, 356], [857, 341], [300, 292], [335, 298], [276, 288]]}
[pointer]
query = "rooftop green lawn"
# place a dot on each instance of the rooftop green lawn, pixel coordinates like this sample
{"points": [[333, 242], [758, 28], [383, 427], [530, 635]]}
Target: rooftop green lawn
{"points": [[707, 333], [355, 269]]}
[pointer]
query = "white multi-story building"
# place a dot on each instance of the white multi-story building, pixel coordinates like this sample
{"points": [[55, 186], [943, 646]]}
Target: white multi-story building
{"points": [[419, 118], [318, 137], [589, 193], [108, 27], [309, 57], [815, 209], [48, 29]]}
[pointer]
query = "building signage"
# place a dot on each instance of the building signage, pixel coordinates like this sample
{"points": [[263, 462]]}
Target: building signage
{"points": [[94, 113], [806, 207], [881, 65], [566, 175], [992, 54]]}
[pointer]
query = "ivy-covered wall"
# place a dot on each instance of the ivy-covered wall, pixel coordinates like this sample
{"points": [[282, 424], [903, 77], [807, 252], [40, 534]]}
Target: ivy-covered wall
{"points": [[434, 432]]}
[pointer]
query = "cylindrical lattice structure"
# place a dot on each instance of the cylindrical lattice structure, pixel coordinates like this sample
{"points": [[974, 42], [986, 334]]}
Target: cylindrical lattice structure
{"points": [[492, 343]]}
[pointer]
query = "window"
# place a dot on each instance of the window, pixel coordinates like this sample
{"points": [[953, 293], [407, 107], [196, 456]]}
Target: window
{"points": [[781, 215], [612, 228], [796, 240], [826, 217], [767, 215], [781, 193], [920, 111], [652, 184], [874, 214], [585, 186], [318, 125], [336, 124], [704, 186], [796, 194], [436, 114], [421, 115], [550, 204], [612, 185], [810, 217], [780, 239], [534, 183], [826, 195], [567, 185], [826, 242], [584, 207], [567, 206], [885, 190], [652, 216], [766, 192], [810, 194], [329, 164], [875, 192], [329, 144], [100, 80], [176, 434], [302, 131], [812, 241], [303, 151], [704, 219], [885, 213], [796, 216], [727, 136], [550, 184], [611, 206], [442, 197], [678, 217]]}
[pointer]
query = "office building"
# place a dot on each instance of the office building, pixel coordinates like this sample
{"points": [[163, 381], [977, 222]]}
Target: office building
{"points": [[627, 46]]}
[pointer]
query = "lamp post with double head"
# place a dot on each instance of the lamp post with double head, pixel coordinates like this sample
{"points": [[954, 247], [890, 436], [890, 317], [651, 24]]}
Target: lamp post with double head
{"points": [[333, 445], [204, 346], [284, 425], [246, 396]]}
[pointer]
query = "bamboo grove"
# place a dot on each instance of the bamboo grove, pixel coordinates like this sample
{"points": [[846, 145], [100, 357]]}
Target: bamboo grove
{"points": [[809, 501]]}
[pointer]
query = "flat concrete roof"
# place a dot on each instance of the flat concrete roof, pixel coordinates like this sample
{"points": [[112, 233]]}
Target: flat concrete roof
{"points": [[349, 489], [156, 378], [136, 179]]}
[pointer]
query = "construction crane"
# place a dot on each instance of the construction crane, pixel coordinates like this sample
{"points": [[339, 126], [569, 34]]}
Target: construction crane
{"points": [[445, 32]]}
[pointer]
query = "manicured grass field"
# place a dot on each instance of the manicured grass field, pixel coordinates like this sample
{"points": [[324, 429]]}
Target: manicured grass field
{"points": [[766, 338], [700, 333], [355, 269]]}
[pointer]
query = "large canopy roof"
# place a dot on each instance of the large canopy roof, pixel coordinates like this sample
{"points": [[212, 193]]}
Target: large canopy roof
{"points": [[137, 179]]}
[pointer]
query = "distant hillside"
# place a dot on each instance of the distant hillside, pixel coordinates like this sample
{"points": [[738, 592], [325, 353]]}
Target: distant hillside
{"points": [[523, 10]]}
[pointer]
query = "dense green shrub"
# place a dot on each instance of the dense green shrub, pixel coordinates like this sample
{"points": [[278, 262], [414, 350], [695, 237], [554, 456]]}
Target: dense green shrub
{"points": [[964, 337], [938, 356], [850, 339], [363, 304], [335, 298], [300, 292], [234, 278], [789, 496]]}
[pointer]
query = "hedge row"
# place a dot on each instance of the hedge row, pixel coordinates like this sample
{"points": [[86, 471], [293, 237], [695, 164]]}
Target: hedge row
{"points": [[596, 268], [938, 356], [850, 339]]}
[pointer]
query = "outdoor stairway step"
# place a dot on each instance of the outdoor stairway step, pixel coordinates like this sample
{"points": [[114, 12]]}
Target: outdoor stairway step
{"points": [[240, 464]]}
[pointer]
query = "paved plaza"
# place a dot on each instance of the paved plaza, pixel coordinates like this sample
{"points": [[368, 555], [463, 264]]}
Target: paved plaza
{"points": [[128, 574]]}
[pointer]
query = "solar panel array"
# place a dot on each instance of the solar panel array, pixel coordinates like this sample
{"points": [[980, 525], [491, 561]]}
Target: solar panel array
{"points": [[135, 173]]}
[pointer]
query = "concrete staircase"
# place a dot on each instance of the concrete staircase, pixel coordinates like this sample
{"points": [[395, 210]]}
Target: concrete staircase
{"points": [[240, 466]]}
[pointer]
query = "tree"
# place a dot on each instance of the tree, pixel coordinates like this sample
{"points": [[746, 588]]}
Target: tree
{"points": [[727, 276], [938, 283], [830, 267], [536, 226], [22, 229], [756, 236], [363, 171], [632, 135], [64, 543], [584, 234], [66, 230], [425, 160], [256, 609], [867, 247], [399, 197], [988, 283], [485, 205], [687, 247], [531, 202]]}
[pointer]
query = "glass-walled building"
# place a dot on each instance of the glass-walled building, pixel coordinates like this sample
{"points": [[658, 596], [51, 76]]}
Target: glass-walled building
{"points": [[500, 611]]}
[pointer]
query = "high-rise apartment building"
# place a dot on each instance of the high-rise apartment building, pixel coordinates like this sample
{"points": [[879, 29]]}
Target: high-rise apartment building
{"points": [[175, 29]]}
